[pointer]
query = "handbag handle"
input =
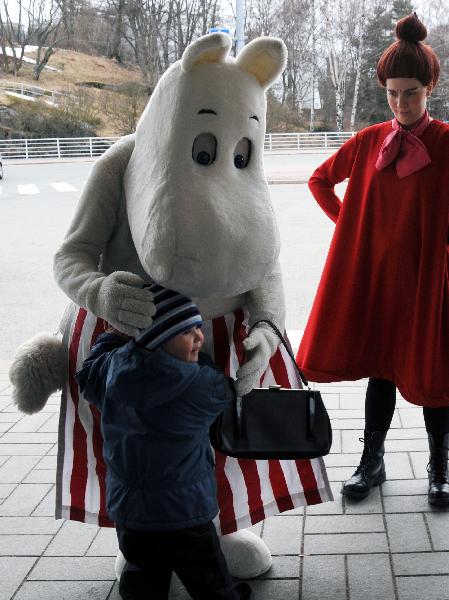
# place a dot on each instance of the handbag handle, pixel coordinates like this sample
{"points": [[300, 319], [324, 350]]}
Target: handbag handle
{"points": [[286, 346]]}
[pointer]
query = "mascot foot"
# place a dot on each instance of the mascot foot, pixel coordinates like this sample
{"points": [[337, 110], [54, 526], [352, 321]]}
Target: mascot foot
{"points": [[246, 554], [37, 371]]}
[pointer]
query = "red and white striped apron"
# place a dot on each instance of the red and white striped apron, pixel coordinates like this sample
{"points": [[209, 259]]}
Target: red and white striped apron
{"points": [[248, 490]]}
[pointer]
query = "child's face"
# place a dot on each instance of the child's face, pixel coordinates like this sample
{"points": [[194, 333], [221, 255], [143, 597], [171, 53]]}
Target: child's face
{"points": [[186, 345]]}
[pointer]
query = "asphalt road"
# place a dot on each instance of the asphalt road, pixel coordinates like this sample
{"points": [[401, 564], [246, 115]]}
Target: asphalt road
{"points": [[36, 205]]}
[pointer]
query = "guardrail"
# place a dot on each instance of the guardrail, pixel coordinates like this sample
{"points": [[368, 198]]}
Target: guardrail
{"points": [[95, 146]]}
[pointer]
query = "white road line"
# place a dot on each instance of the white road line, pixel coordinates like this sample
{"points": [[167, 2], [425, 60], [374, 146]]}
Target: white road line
{"points": [[62, 186], [29, 188]]}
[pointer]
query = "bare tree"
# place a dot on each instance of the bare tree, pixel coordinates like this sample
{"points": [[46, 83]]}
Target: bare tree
{"points": [[360, 32], [14, 37], [43, 26]]}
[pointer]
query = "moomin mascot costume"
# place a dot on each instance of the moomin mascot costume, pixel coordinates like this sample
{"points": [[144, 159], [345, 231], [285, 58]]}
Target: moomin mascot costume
{"points": [[183, 202]]}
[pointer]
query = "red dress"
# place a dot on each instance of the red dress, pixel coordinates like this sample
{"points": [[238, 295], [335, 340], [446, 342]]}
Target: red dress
{"points": [[382, 305]]}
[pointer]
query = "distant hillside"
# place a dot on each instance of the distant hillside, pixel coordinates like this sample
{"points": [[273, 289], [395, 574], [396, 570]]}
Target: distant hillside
{"points": [[104, 95]]}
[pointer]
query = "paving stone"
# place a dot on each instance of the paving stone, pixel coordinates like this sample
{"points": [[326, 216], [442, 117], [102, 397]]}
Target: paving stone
{"points": [[344, 524], [53, 451], [331, 401], [73, 568], [329, 508], [46, 507], [341, 460], [407, 434], [284, 567], [347, 413], [65, 590], [345, 543], [407, 533], [41, 476], [407, 445], [364, 580], [423, 588], [283, 534], [51, 425], [6, 489], [419, 463], [411, 417], [421, 563], [370, 505], [352, 400], [24, 499], [339, 474], [29, 525], [438, 523], [275, 589], [323, 578], [23, 449], [397, 466], [336, 442], [350, 441], [73, 539], [29, 438], [47, 462], [23, 545], [104, 544], [404, 487], [5, 427], [407, 504], [15, 468], [13, 569], [30, 423], [7, 417], [348, 424]]}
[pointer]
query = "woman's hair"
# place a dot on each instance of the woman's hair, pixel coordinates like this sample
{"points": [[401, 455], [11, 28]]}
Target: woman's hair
{"points": [[408, 56]]}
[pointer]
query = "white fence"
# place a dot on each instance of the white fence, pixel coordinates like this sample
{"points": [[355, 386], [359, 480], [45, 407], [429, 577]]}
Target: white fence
{"points": [[32, 92], [95, 146]]}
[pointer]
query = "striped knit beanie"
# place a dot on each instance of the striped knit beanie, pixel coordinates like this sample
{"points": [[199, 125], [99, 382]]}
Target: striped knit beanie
{"points": [[175, 313]]}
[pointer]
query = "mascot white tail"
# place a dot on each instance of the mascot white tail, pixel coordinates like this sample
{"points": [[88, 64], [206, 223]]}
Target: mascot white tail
{"points": [[183, 202]]}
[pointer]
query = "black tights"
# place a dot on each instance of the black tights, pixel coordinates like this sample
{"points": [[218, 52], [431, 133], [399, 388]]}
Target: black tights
{"points": [[380, 404]]}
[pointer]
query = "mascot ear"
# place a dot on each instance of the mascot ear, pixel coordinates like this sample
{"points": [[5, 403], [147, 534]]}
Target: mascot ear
{"points": [[265, 58], [208, 48]]}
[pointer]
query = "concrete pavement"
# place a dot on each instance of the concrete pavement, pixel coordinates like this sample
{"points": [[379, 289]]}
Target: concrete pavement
{"points": [[392, 546]]}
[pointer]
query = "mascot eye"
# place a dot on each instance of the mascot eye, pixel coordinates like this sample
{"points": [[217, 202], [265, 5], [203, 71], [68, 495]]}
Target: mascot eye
{"points": [[242, 153], [204, 149]]}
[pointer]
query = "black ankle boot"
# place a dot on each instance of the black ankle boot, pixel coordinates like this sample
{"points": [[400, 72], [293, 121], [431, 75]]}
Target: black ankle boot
{"points": [[371, 470], [437, 469]]}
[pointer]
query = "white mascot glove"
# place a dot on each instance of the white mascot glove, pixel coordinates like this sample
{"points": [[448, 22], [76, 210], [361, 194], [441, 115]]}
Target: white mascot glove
{"points": [[260, 346], [123, 302]]}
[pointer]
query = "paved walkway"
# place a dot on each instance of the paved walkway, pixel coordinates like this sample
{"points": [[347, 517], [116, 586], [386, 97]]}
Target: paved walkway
{"points": [[392, 546]]}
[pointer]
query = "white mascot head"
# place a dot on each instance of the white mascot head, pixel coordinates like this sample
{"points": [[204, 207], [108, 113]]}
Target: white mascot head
{"points": [[197, 198]]}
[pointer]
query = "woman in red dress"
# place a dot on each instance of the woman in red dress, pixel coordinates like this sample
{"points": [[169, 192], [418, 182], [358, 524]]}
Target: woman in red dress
{"points": [[382, 307]]}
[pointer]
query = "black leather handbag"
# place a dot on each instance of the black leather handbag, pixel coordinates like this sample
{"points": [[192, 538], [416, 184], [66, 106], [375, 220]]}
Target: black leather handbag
{"points": [[274, 422]]}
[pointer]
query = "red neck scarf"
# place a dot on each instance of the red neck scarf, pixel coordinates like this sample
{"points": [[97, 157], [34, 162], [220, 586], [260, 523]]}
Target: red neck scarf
{"points": [[405, 147]]}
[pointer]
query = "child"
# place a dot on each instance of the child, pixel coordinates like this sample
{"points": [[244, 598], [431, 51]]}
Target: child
{"points": [[157, 403]]}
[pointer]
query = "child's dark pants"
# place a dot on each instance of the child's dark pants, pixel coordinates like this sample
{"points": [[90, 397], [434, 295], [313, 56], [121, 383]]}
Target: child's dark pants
{"points": [[194, 554]]}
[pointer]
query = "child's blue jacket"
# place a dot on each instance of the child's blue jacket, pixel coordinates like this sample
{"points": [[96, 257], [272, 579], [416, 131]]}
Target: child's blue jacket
{"points": [[155, 415]]}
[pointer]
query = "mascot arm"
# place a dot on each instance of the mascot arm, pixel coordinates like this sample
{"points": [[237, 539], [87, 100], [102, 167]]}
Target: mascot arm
{"points": [[118, 297], [266, 302]]}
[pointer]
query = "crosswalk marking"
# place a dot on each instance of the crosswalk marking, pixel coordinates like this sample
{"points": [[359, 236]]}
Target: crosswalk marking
{"points": [[62, 186], [27, 189]]}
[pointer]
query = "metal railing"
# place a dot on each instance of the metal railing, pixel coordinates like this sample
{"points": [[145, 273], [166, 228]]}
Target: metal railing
{"points": [[95, 146], [326, 140], [31, 91], [56, 147]]}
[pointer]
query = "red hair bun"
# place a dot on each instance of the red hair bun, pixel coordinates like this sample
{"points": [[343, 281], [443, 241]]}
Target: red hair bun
{"points": [[410, 29]]}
